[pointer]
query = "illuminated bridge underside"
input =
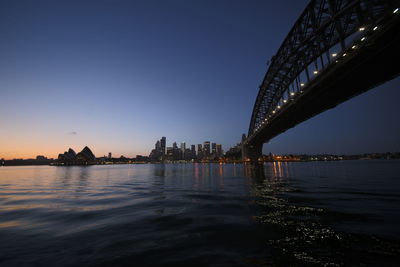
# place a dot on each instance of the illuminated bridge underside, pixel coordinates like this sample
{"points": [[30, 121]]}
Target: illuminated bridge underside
{"points": [[360, 60]]}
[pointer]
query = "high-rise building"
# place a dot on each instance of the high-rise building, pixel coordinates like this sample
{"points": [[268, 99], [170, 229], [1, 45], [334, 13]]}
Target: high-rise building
{"points": [[109, 155], [163, 143], [214, 149], [199, 151], [157, 146], [219, 150], [183, 150], [193, 149], [206, 148]]}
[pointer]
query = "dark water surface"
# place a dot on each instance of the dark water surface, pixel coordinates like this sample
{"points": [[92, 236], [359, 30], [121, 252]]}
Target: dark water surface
{"points": [[284, 214]]}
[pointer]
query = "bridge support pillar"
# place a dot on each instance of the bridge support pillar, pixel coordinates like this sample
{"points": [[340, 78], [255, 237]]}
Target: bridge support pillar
{"points": [[251, 152]]}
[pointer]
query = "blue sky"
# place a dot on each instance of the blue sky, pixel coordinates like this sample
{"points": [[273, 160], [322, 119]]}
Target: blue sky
{"points": [[117, 75]]}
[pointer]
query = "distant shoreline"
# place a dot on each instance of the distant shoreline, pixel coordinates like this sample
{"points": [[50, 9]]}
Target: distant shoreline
{"points": [[189, 162]]}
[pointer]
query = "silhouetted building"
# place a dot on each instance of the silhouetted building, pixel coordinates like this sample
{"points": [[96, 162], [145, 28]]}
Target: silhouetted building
{"points": [[199, 151], [84, 157], [219, 150], [163, 143], [193, 150], [206, 149], [214, 149]]}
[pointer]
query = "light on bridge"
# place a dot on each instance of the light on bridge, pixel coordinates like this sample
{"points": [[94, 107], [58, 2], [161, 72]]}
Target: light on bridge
{"points": [[354, 47], [344, 54], [375, 28], [362, 39], [292, 93], [362, 29], [334, 54], [273, 111], [396, 10], [315, 72], [302, 84], [279, 106], [284, 100]]}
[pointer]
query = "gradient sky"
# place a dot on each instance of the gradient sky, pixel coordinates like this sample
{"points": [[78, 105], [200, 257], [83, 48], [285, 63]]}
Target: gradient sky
{"points": [[116, 75]]}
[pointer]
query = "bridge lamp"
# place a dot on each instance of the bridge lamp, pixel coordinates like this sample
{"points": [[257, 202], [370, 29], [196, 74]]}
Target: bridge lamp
{"points": [[284, 100], [344, 54], [302, 84], [334, 54], [354, 47], [279, 106], [292, 93], [315, 72], [362, 39], [396, 10], [375, 28], [273, 111], [362, 29]]}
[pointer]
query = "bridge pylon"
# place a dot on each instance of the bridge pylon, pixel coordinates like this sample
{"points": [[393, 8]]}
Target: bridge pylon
{"points": [[251, 152]]}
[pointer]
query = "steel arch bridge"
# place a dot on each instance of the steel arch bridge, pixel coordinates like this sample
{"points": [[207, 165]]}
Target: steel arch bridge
{"points": [[336, 50]]}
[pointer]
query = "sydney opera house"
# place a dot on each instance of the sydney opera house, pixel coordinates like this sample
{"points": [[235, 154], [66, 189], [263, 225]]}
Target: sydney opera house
{"points": [[85, 157]]}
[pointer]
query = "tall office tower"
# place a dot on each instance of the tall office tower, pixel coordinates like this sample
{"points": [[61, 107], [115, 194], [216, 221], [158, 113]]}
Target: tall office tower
{"points": [[193, 150], [219, 150], [214, 148], [183, 150], [163, 143], [158, 146], [199, 151], [206, 148]]}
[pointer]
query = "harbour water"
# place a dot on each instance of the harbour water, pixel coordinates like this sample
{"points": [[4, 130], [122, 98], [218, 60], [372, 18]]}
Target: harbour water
{"points": [[342, 213]]}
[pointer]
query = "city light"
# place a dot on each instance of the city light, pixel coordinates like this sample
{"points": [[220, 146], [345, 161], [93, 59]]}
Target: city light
{"points": [[354, 47], [362, 29], [273, 111], [375, 28], [302, 84], [362, 39], [396, 10], [334, 54], [279, 106], [284, 100], [292, 93], [315, 72], [344, 54]]}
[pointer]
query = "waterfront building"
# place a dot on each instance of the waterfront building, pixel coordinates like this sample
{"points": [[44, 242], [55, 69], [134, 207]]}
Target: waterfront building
{"points": [[163, 143], [84, 157], [193, 150], [219, 150], [183, 150], [199, 151], [206, 149], [214, 149]]}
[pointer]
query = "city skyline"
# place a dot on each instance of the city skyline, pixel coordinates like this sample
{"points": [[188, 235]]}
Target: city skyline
{"points": [[118, 78]]}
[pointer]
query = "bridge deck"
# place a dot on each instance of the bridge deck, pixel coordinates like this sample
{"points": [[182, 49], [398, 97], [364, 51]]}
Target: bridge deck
{"points": [[375, 63]]}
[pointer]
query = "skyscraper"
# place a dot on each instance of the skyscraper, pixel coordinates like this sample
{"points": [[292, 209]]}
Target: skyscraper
{"points": [[183, 150], [214, 149], [219, 150], [206, 148], [193, 150], [199, 151], [163, 143]]}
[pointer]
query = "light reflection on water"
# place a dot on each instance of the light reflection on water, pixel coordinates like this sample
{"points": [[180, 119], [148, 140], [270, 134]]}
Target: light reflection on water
{"points": [[278, 214]]}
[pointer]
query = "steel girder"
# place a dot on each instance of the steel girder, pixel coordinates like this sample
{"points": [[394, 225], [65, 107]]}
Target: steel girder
{"points": [[322, 25]]}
